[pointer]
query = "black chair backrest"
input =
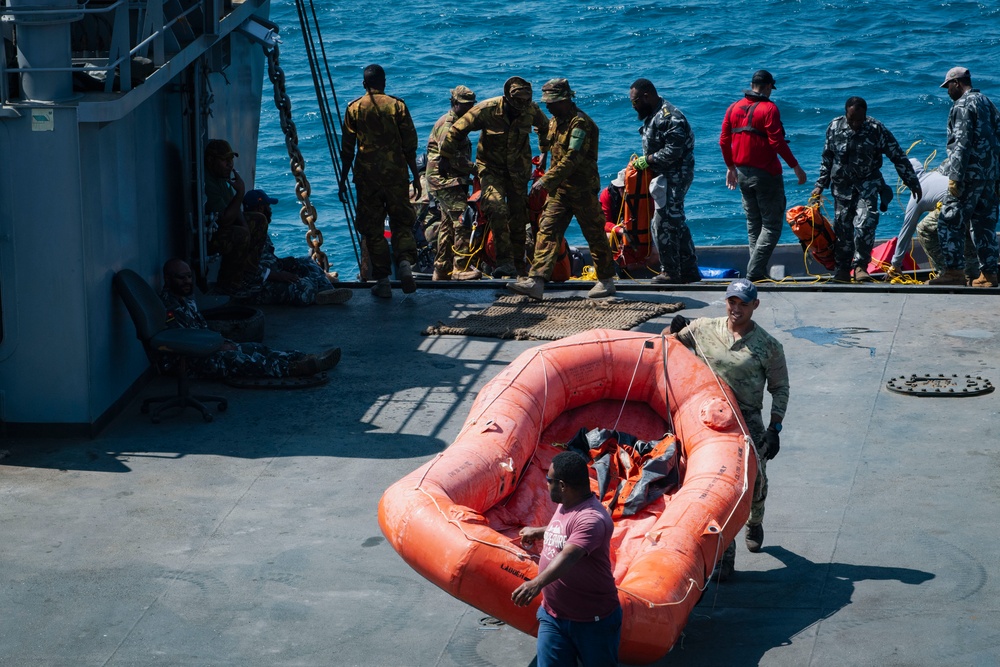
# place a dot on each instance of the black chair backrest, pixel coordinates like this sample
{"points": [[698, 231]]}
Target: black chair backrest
{"points": [[148, 313]]}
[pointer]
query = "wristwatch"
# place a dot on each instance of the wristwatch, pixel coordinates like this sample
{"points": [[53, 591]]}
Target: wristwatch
{"points": [[776, 427]]}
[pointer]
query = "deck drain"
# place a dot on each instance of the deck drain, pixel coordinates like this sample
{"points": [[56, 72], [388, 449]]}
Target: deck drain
{"points": [[940, 385]]}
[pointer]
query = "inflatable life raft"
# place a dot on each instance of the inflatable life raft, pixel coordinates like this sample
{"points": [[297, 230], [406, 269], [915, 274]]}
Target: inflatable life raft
{"points": [[455, 520]]}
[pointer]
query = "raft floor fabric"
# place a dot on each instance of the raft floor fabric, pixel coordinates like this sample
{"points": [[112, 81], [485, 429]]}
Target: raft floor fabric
{"points": [[521, 318]]}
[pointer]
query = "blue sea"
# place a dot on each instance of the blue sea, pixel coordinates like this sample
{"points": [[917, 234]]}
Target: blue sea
{"points": [[700, 55]]}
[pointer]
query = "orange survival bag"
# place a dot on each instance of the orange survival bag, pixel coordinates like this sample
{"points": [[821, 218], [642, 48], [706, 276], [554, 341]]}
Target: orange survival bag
{"points": [[630, 236], [814, 232]]}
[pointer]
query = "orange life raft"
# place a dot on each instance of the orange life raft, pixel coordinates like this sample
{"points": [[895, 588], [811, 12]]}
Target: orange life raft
{"points": [[455, 519]]}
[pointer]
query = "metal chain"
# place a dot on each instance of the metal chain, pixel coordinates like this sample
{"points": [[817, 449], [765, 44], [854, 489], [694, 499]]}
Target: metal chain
{"points": [[314, 237]]}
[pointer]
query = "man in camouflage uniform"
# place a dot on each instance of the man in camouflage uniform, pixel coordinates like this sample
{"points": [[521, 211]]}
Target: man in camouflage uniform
{"points": [[236, 240], [973, 171], [234, 359], [297, 281], [748, 359], [381, 129], [572, 184], [452, 193], [668, 149], [852, 168], [503, 160]]}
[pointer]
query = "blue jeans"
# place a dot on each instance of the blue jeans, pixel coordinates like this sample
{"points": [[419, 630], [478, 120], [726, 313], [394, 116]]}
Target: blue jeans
{"points": [[561, 643]]}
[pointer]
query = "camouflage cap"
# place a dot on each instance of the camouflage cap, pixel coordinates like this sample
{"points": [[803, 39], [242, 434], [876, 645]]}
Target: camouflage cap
{"points": [[463, 95], [220, 148], [955, 73], [517, 87], [556, 90]]}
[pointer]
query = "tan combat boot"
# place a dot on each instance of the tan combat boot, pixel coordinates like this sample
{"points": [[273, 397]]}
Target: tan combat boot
{"points": [[985, 280], [532, 288], [949, 277], [440, 274]]}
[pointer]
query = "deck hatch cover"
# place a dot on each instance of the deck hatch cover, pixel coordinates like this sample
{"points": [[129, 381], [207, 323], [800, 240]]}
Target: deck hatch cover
{"points": [[940, 385]]}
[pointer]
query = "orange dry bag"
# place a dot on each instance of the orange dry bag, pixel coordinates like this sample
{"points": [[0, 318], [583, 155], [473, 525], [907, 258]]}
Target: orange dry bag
{"points": [[814, 232]]}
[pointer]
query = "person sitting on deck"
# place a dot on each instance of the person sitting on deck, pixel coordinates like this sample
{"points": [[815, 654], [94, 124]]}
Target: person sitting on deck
{"points": [[236, 240], [234, 359], [298, 281]]}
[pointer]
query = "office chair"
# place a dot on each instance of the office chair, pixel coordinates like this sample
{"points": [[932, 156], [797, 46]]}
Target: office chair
{"points": [[150, 318]]}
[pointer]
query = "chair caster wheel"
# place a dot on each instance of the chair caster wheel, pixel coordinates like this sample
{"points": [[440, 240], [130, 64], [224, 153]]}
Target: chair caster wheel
{"points": [[144, 409], [223, 406], [208, 416]]}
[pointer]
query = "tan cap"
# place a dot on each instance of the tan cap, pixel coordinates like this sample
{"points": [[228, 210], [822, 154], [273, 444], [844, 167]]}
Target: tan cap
{"points": [[955, 73], [556, 90], [619, 180], [463, 95], [517, 87], [220, 148]]}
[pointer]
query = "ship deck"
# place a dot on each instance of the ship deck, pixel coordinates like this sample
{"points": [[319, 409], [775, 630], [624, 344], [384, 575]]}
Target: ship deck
{"points": [[253, 540]]}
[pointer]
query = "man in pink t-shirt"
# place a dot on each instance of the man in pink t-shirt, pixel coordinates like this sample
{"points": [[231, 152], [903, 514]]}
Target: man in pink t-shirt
{"points": [[580, 616]]}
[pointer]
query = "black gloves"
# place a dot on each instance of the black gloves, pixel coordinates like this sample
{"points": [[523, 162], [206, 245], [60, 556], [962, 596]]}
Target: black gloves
{"points": [[773, 443], [678, 323]]}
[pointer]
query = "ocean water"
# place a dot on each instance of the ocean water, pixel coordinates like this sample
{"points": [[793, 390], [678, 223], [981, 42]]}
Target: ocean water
{"points": [[700, 54]]}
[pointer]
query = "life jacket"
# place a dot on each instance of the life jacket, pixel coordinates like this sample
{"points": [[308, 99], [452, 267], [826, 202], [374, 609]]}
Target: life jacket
{"points": [[633, 241], [748, 127], [814, 232]]}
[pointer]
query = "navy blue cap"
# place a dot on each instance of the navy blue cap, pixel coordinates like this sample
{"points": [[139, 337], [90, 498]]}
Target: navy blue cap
{"points": [[257, 197], [742, 288]]}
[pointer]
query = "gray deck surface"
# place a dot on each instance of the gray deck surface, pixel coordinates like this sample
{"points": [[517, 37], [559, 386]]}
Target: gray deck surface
{"points": [[253, 540]]}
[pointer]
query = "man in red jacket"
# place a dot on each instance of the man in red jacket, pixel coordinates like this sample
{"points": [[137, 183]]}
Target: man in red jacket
{"points": [[752, 138]]}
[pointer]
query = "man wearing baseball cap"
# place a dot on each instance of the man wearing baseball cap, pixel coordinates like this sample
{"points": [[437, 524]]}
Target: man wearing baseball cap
{"points": [[749, 359], [973, 171], [296, 281]]}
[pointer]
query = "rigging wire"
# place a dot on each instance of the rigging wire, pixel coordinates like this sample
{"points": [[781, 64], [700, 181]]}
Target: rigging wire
{"points": [[311, 35]]}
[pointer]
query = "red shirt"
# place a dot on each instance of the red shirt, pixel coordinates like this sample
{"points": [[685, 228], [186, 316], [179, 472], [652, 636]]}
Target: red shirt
{"points": [[761, 147], [587, 591]]}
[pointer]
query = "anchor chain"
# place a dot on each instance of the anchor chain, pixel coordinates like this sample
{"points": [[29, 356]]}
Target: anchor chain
{"points": [[314, 237]]}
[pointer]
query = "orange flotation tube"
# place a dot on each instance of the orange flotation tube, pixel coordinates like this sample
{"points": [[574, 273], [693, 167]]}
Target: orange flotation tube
{"points": [[455, 520]]}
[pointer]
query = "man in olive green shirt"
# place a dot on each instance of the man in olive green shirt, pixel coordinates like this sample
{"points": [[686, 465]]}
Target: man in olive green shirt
{"points": [[503, 160], [749, 360]]}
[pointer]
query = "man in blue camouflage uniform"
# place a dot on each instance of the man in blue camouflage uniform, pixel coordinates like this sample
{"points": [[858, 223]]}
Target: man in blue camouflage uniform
{"points": [[453, 259], [852, 168], [234, 359], [749, 360], [296, 281], [572, 183], [668, 149], [379, 126], [973, 171], [503, 159]]}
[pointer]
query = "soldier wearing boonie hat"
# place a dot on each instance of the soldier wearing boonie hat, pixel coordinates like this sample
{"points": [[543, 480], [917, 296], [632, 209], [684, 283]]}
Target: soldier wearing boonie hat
{"points": [[572, 184], [453, 259], [973, 171], [750, 360], [503, 163]]}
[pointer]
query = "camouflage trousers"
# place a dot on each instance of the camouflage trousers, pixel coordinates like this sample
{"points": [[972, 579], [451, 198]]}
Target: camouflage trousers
{"points": [[247, 360], [975, 210], [755, 424], [240, 248], [927, 234], [452, 236], [855, 218], [311, 280], [560, 207], [505, 205], [376, 201], [764, 204], [672, 235]]}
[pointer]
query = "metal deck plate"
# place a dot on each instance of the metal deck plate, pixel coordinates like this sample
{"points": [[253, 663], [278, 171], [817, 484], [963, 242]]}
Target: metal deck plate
{"points": [[940, 385]]}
